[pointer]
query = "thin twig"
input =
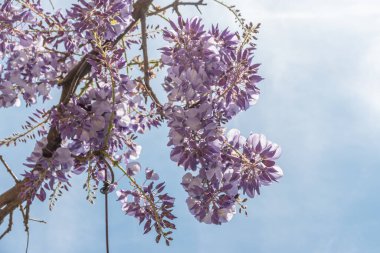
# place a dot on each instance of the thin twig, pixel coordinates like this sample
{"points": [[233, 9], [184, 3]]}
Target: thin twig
{"points": [[233, 11], [9, 170], [106, 217], [144, 46], [25, 215], [125, 53], [85, 87], [40, 14], [175, 6], [13, 139], [52, 5], [105, 189], [9, 228], [39, 221]]}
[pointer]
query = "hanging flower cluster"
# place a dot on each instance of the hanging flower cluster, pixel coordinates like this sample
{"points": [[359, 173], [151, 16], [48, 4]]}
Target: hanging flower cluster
{"points": [[210, 79], [106, 18]]}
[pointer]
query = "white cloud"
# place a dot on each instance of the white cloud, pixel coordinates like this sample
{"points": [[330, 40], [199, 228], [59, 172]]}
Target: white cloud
{"points": [[310, 9], [367, 82]]}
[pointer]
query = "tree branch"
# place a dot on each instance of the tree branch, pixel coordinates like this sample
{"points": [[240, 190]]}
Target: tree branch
{"points": [[144, 47], [9, 228], [175, 6], [9, 170]]}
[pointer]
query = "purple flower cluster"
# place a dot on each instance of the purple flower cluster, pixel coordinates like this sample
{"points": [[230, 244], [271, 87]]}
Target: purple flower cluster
{"points": [[107, 117], [138, 203], [85, 120], [242, 167], [210, 79], [103, 120], [105, 18], [51, 170], [256, 158], [39, 48], [209, 67], [195, 135], [32, 63], [212, 193]]}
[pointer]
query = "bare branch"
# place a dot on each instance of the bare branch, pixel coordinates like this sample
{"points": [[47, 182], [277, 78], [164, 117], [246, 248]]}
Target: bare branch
{"points": [[16, 137], [175, 6], [9, 228], [146, 62], [39, 221], [9, 170], [25, 215]]}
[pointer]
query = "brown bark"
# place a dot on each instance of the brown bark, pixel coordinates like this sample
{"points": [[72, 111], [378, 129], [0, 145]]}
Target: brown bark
{"points": [[10, 199]]}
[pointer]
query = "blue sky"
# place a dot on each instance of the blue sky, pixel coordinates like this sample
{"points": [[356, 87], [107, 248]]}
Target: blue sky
{"points": [[320, 102]]}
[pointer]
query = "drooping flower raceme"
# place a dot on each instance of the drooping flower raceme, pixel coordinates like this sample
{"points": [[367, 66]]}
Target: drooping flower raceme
{"points": [[212, 77], [241, 168]]}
